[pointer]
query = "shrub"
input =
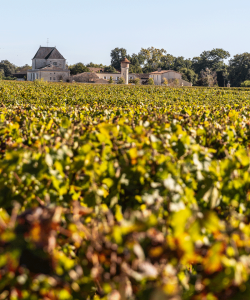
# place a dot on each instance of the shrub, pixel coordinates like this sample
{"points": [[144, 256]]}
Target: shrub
{"points": [[137, 81], [245, 83], [121, 81], [151, 81], [165, 82], [111, 79]]}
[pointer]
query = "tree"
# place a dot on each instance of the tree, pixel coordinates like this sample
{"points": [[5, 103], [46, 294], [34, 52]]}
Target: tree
{"points": [[189, 75], [135, 69], [121, 81], [239, 69], [1, 74], [180, 62], [136, 61], [78, 68], [151, 58], [213, 60], [7, 67], [110, 69], [151, 81], [167, 62], [92, 65], [117, 55], [208, 78], [111, 79], [23, 68]]}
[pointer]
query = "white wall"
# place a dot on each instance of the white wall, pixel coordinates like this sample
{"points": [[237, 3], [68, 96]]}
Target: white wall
{"points": [[108, 75], [48, 75]]}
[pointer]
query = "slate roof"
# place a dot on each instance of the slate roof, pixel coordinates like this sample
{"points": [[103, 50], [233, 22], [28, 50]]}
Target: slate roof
{"points": [[48, 53]]}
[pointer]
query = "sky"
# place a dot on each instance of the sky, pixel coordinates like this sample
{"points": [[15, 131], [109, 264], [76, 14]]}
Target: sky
{"points": [[87, 30]]}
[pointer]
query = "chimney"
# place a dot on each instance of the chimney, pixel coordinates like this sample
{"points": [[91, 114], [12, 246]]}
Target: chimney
{"points": [[159, 70]]}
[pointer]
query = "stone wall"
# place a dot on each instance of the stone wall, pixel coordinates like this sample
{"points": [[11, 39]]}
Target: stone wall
{"points": [[40, 63]]}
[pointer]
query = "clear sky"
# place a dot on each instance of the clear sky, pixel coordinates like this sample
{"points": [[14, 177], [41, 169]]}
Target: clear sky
{"points": [[87, 30]]}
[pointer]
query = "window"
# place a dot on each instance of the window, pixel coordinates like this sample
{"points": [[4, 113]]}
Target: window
{"points": [[50, 78], [55, 63], [54, 78], [105, 77], [131, 78], [117, 78]]}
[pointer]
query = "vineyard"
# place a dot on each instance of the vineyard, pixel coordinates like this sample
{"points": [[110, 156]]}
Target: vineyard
{"points": [[124, 192]]}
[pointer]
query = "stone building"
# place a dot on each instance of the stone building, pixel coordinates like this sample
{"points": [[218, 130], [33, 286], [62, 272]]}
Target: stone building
{"points": [[48, 64], [170, 75]]}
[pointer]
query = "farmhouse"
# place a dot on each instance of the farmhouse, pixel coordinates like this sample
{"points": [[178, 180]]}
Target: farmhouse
{"points": [[170, 76], [49, 64]]}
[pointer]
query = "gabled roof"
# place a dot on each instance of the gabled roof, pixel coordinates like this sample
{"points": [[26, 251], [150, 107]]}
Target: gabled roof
{"points": [[48, 53]]}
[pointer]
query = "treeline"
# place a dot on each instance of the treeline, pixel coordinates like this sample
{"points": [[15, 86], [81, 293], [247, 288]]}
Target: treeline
{"points": [[211, 68]]}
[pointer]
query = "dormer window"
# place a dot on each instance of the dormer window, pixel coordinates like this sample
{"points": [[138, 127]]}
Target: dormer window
{"points": [[55, 63]]}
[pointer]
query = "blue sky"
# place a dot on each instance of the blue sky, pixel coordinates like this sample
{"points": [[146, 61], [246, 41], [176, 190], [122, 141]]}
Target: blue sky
{"points": [[85, 31]]}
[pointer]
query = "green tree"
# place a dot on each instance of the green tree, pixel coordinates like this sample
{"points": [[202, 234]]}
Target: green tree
{"points": [[213, 60], [136, 61], [8, 68], [117, 55], [151, 81], [180, 62], [23, 68], [111, 79], [78, 68], [239, 69], [1, 74], [110, 69], [151, 58], [92, 65], [189, 75], [167, 62], [135, 69]]}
